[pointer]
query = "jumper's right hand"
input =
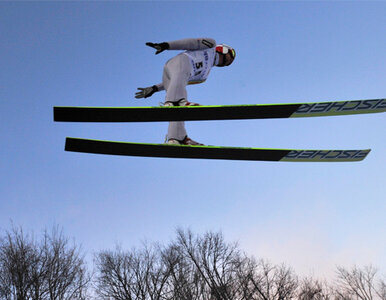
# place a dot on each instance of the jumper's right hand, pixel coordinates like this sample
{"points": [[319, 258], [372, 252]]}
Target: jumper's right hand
{"points": [[146, 92], [159, 47]]}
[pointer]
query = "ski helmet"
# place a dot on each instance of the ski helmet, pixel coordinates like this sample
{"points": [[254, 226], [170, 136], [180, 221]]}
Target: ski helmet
{"points": [[223, 50]]}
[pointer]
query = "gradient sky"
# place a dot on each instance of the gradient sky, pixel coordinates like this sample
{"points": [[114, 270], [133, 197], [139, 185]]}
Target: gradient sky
{"points": [[310, 216]]}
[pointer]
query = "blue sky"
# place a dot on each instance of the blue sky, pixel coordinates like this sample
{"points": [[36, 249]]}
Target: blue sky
{"points": [[308, 215]]}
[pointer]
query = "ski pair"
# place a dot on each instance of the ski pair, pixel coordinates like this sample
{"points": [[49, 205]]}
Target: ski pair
{"points": [[224, 112]]}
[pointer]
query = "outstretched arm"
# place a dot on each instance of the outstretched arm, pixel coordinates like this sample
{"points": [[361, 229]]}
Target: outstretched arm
{"points": [[184, 44]]}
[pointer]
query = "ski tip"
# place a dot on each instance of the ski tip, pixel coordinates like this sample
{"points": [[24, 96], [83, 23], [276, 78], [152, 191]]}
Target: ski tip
{"points": [[326, 155]]}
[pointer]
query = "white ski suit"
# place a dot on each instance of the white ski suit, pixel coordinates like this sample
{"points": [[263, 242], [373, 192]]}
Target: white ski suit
{"points": [[190, 67]]}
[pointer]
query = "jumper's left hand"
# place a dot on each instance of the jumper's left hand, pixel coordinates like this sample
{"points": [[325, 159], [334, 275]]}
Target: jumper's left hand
{"points": [[146, 92], [159, 47]]}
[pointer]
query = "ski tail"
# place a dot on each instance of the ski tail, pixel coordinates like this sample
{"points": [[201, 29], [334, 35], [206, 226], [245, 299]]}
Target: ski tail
{"points": [[211, 152]]}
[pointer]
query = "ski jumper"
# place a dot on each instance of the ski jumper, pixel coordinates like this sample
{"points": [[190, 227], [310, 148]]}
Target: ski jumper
{"points": [[190, 67]]}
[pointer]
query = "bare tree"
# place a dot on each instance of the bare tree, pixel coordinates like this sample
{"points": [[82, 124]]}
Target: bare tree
{"points": [[313, 289], [214, 260], [185, 282], [157, 272], [50, 269], [382, 289], [116, 276], [18, 258], [190, 268], [63, 267], [205, 267], [273, 282], [136, 274], [245, 270], [359, 283]]}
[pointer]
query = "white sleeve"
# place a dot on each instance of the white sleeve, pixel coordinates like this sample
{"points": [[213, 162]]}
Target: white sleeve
{"points": [[192, 44]]}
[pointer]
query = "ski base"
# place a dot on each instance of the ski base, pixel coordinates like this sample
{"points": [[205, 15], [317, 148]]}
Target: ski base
{"points": [[217, 112], [211, 152]]}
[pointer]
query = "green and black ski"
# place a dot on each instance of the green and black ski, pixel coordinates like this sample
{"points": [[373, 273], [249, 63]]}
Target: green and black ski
{"points": [[212, 152], [217, 112]]}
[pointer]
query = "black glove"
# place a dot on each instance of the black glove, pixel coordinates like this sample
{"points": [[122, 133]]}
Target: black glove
{"points": [[159, 47], [146, 92]]}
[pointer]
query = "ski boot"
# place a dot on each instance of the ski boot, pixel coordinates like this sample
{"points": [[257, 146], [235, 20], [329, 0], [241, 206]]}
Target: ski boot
{"points": [[186, 141], [181, 102]]}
